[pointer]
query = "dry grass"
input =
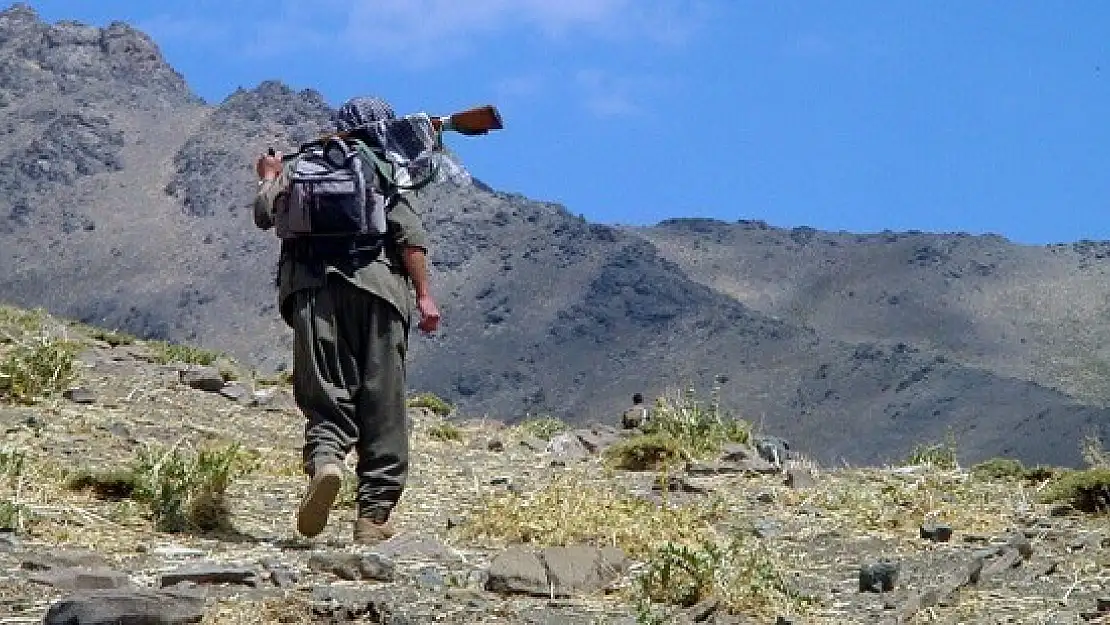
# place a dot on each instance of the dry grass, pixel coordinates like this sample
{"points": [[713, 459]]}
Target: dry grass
{"points": [[576, 508], [897, 501]]}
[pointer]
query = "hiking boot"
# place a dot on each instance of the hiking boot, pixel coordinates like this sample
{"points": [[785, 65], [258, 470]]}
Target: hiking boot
{"points": [[370, 532], [323, 488]]}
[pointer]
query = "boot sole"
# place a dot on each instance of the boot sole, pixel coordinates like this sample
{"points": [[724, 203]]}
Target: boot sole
{"points": [[313, 514]]}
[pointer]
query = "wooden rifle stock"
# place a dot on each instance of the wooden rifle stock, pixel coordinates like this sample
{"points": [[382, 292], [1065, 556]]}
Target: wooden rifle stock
{"points": [[475, 121]]}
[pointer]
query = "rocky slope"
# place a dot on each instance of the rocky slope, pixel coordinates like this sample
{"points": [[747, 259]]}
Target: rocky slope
{"points": [[126, 204], [499, 524]]}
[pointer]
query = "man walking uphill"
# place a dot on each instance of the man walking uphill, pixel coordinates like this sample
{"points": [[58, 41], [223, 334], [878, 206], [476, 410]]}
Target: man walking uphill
{"points": [[349, 299]]}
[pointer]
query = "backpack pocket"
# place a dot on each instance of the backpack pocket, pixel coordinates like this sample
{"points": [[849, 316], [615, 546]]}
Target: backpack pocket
{"points": [[324, 200]]}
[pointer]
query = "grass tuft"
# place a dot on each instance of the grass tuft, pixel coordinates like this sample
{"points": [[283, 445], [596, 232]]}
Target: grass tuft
{"points": [[165, 353], [646, 452], [183, 490], [543, 428], [432, 402], [445, 431], [937, 455], [679, 427], [36, 368], [1087, 490], [743, 574], [114, 338]]}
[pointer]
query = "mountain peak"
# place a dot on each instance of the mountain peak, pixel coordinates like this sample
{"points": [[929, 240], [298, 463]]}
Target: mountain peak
{"points": [[70, 56]]}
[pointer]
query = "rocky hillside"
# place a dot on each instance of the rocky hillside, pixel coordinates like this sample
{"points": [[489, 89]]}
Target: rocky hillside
{"points": [[126, 199], [138, 484]]}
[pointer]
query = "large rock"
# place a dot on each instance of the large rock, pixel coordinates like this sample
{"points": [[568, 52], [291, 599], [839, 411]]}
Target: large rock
{"points": [[133, 607], [558, 571], [574, 570], [518, 571]]}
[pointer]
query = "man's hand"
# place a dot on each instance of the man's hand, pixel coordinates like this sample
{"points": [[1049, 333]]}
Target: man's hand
{"points": [[429, 314], [268, 166]]}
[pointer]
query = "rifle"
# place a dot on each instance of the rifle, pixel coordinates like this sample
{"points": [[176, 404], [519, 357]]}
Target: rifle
{"points": [[474, 121]]}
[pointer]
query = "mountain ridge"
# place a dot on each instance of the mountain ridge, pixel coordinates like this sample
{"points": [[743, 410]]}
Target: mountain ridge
{"points": [[544, 312]]}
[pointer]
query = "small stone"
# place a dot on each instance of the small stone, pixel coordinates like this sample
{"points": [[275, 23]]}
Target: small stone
{"points": [[377, 568], [342, 565], [878, 576], [495, 445], [773, 449], [1060, 510], [568, 447], [80, 395], [263, 397], [799, 479], [8, 541], [202, 574], [765, 498], [501, 480], [234, 391], [765, 529], [428, 577], [478, 578], [938, 533], [280, 574], [701, 612], [203, 378]]}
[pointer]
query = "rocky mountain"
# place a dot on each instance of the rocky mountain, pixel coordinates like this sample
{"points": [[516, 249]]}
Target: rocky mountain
{"points": [[126, 204]]}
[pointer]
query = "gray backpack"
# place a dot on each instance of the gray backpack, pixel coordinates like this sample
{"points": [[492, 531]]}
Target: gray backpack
{"points": [[335, 191]]}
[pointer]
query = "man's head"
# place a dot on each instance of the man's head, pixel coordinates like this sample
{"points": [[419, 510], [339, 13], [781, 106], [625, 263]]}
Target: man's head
{"points": [[360, 111]]}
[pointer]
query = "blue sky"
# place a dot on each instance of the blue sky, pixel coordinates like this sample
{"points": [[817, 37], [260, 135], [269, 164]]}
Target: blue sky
{"points": [[853, 115]]}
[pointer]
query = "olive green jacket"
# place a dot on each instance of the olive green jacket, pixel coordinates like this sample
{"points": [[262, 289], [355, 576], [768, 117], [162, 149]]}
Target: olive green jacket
{"points": [[384, 277]]}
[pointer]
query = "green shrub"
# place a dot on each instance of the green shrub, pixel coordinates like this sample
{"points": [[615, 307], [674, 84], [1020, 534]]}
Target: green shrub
{"points": [[999, 468], [542, 427], [445, 431], [936, 455], [12, 464], [679, 427], [22, 321], [432, 402], [38, 368], [1010, 468], [646, 452], [111, 337], [187, 491], [164, 353], [10, 515], [743, 574], [1087, 490]]}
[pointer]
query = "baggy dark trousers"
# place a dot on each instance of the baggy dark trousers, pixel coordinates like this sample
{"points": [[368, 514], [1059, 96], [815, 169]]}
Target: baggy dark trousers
{"points": [[348, 379]]}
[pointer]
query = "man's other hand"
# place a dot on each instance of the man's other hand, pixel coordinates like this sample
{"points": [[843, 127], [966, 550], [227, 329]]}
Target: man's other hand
{"points": [[429, 314], [268, 166]]}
